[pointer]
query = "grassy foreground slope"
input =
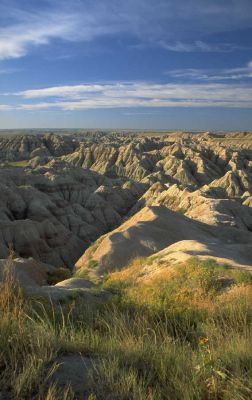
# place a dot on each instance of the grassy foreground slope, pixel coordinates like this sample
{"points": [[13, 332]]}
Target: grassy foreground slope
{"points": [[177, 333]]}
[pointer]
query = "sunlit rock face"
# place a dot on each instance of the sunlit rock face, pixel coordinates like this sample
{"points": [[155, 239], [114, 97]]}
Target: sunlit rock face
{"points": [[59, 193]]}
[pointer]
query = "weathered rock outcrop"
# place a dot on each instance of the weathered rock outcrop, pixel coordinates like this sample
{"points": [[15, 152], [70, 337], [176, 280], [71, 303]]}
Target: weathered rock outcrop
{"points": [[59, 193], [51, 213], [198, 205], [24, 147], [154, 228]]}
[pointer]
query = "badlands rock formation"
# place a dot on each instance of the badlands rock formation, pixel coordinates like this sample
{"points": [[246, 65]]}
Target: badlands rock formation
{"points": [[60, 193], [155, 228], [53, 212], [25, 147]]}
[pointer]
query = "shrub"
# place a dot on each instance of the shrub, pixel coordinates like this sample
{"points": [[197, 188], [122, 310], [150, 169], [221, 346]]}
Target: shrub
{"points": [[58, 275], [92, 263]]}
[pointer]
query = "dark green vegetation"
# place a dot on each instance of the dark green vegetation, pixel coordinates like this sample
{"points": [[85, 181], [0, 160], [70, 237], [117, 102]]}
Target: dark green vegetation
{"points": [[58, 275], [179, 333], [21, 164]]}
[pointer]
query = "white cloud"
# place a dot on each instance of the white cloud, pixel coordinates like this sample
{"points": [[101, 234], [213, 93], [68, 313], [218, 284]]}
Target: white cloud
{"points": [[198, 46], [15, 40], [176, 26], [6, 107], [213, 74], [61, 91], [136, 94], [28, 29]]}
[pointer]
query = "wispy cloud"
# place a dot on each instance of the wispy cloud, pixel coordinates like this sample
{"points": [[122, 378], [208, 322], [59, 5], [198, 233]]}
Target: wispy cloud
{"points": [[211, 75], [6, 107], [7, 71], [29, 29], [134, 95], [176, 26], [142, 113], [63, 91], [16, 40], [200, 46]]}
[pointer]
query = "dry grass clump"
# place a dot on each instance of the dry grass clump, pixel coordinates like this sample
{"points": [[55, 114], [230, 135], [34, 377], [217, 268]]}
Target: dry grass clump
{"points": [[182, 334], [127, 276], [201, 312], [194, 282], [26, 345]]}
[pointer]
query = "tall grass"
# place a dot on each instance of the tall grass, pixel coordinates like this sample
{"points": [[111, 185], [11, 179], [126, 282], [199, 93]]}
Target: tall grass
{"points": [[27, 345], [180, 333]]}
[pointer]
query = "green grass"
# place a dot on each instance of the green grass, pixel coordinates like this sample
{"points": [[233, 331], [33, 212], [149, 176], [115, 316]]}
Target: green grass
{"points": [[21, 163], [182, 210], [91, 264], [182, 334], [96, 244], [58, 275], [88, 271]]}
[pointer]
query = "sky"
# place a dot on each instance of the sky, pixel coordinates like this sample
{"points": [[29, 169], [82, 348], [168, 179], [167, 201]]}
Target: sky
{"points": [[143, 64]]}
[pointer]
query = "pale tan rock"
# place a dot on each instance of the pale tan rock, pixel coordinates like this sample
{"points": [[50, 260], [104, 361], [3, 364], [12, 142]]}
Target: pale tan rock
{"points": [[73, 188], [152, 229]]}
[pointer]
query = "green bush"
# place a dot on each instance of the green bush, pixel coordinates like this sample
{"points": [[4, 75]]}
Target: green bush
{"points": [[58, 275]]}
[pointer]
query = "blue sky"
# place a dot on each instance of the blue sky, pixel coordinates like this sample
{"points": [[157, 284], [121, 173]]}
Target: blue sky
{"points": [[163, 64]]}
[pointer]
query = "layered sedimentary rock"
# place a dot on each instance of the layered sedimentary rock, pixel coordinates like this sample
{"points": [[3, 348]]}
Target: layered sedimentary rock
{"points": [[155, 228], [59, 193], [53, 212]]}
